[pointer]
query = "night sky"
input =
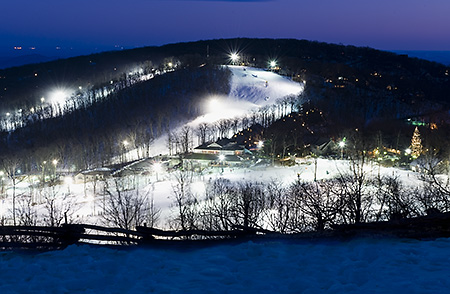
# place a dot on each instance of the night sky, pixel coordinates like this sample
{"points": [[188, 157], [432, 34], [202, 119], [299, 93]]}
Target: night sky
{"points": [[84, 26]]}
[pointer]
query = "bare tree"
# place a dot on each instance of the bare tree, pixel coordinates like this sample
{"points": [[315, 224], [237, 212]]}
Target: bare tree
{"points": [[186, 139], [216, 212], [248, 204], [394, 200], [223, 126], [26, 211], [154, 213], [278, 210], [202, 131], [355, 184], [317, 201], [436, 185], [59, 207], [124, 208], [11, 165], [185, 204]]}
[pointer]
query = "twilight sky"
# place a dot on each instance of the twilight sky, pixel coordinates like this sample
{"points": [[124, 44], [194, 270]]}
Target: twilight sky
{"points": [[84, 25]]}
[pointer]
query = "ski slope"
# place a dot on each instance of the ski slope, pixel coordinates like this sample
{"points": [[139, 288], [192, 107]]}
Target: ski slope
{"points": [[259, 86], [250, 89]]}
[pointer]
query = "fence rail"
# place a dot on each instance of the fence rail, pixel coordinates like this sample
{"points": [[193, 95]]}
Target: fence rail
{"points": [[49, 238]]}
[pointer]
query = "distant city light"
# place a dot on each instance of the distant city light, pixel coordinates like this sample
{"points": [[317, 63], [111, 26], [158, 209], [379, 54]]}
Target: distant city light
{"points": [[273, 63]]}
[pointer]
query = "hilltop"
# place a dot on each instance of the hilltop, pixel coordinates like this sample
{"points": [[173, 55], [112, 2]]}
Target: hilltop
{"points": [[92, 102]]}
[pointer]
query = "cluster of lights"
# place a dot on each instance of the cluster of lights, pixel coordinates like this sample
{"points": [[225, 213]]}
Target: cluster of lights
{"points": [[234, 58]]}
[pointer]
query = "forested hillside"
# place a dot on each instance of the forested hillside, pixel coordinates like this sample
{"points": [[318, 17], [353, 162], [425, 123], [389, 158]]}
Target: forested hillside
{"points": [[143, 92], [93, 135]]}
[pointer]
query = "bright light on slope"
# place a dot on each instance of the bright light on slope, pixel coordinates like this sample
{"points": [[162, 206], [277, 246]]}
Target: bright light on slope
{"points": [[234, 57], [222, 107], [214, 104], [59, 96]]}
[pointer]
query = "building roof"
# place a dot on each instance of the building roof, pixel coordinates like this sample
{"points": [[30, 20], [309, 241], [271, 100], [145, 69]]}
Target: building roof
{"points": [[222, 144], [212, 157]]}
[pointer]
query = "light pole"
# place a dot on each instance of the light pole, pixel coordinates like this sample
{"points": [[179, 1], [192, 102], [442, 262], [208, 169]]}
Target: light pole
{"points": [[157, 168], [55, 162], [342, 145], [125, 144], [68, 181], [2, 178], [221, 161], [43, 172]]}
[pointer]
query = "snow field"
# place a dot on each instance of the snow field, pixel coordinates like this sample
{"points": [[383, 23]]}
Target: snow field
{"points": [[278, 266]]}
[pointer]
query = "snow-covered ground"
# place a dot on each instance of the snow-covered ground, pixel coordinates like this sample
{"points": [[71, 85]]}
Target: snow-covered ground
{"points": [[277, 266]]}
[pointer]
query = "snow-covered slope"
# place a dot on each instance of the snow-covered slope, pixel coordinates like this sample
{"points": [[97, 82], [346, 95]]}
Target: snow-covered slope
{"points": [[259, 86], [250, 89]]}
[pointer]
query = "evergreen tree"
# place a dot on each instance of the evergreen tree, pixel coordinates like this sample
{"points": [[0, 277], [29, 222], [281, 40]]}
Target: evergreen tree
{"points": [[416, 144]]}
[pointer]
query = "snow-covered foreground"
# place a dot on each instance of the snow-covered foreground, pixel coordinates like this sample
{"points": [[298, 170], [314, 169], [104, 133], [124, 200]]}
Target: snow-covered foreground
{"points": [[278, 266], [87, 209]]}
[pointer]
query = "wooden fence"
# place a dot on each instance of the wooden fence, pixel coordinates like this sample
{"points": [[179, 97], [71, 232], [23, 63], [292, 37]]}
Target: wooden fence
{"points": [[50, 238]]}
